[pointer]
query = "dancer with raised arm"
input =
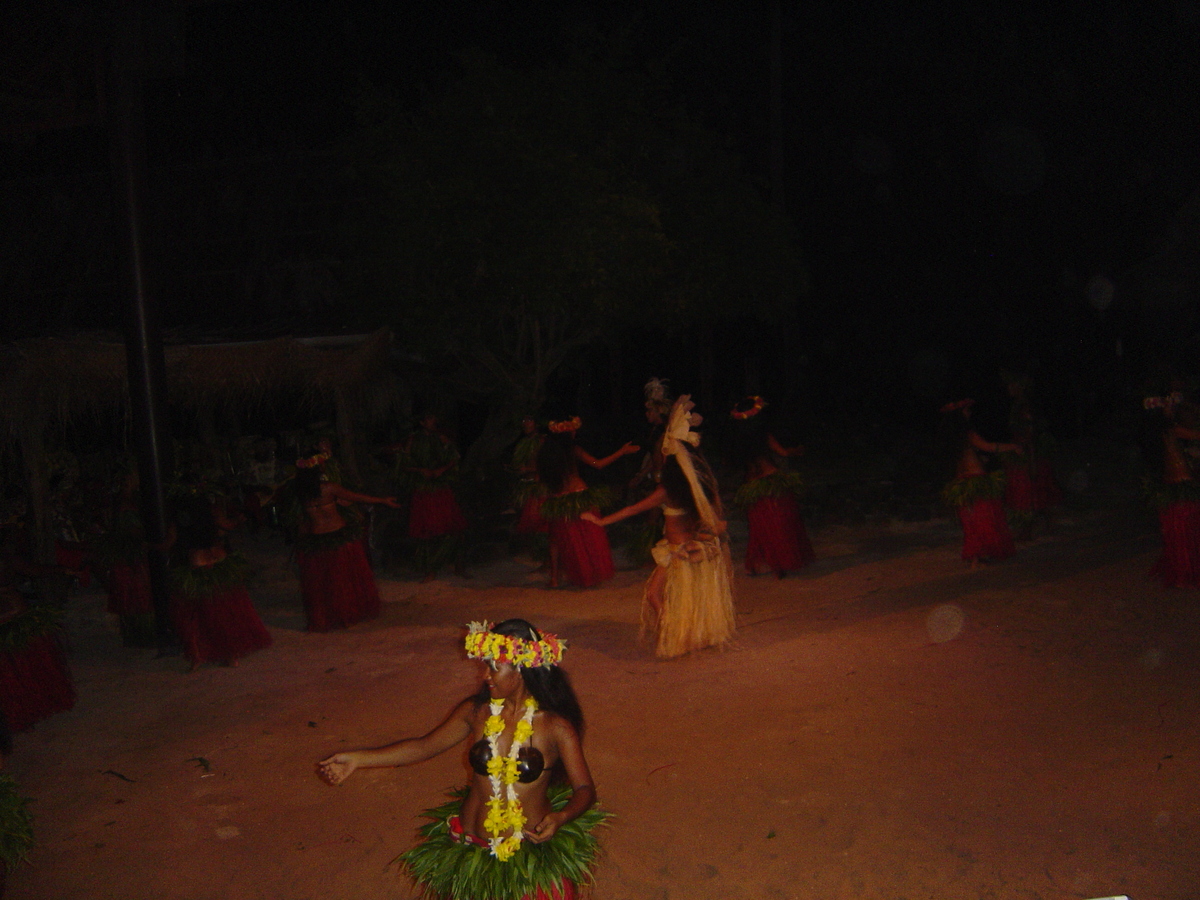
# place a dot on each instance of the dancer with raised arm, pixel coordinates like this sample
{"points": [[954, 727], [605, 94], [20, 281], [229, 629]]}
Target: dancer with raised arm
{"points": [[778, 541], [335, 576], [975, 493], [688, 599], [522, 829], [579, 551]]}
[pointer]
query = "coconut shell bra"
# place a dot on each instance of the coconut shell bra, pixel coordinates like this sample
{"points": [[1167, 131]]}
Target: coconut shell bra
{"points": [[530, 763]]}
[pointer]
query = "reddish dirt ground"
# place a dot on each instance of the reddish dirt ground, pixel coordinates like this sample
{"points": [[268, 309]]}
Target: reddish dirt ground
{"points": [[888, 725]]}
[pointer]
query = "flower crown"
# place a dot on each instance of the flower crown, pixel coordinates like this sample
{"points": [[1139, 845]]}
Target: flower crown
{"points": [[572, 424], [1168, 402], [965, 403], [483, 643], [754, 410], [311, 461]]}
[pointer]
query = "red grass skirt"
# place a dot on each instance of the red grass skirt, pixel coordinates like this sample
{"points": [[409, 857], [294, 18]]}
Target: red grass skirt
{"points": [[1179, 564], [1026, 491], [778, 539], [129, 589], [584, 554], [985, 531], [218, 627], [531, 521], [433, 514], [35, 682], [338, 586]]}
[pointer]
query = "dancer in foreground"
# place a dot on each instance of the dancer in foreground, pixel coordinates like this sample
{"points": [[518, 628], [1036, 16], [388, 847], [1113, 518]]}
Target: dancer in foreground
{"points": [[516, 832], [688, 599]]}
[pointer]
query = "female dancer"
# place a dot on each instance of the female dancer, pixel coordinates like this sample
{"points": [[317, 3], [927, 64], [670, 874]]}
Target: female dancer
{"points": [[778, 541], [975, 493], [335, 576], [579, 550], [688, 599], [122, 552], [1177, 495], [530, 493], [1029, 488], [429, 465], [516, 831], [210, 607]]}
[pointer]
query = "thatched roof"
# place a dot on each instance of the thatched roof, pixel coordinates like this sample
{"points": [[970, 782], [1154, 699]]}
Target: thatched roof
{"points": [[59, 382]]}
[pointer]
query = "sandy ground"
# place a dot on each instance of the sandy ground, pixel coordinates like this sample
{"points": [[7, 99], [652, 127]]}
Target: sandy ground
{"points": [[888, 725]]}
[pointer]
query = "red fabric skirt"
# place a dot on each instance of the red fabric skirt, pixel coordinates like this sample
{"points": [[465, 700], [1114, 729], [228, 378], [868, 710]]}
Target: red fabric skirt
{"points": [[531, 521], [985, 531], [338, 586], [220, 627], [433, 514], [1179, 564], [1030, 491], [1018, 489], [1046, 494], [73, 557], [778, 539], [584, 554], [129, 589], [35, 682]]}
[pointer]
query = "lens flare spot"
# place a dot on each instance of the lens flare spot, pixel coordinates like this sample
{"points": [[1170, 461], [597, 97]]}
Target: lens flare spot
{"points": [[945, 622]]}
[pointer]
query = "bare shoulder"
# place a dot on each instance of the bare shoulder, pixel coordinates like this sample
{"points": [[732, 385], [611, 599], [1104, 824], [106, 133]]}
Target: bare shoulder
{"points": [[556, 726]]}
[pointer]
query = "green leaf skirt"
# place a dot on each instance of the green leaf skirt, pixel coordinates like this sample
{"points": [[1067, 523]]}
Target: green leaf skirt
{"points": [[573, 505], [447, 869]]}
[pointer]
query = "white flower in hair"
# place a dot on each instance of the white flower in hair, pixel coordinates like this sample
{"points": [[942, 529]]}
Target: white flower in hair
{"points": [[656, 391]]}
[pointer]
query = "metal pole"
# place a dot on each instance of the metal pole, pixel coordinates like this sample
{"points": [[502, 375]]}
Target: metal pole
{"points": [[143, 339]]}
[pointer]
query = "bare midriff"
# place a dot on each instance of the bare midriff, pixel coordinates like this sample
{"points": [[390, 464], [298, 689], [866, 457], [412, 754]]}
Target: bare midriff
{"points": [[322, 516], [1175, 467], [535, 801]]}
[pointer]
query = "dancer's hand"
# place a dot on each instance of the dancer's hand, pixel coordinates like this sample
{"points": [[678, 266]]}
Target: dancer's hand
{"points": [[545, 829], [590, 516], [337, 768]]}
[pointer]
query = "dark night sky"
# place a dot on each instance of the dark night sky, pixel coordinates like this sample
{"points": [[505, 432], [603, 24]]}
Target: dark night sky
{"points": [[958, 172]]}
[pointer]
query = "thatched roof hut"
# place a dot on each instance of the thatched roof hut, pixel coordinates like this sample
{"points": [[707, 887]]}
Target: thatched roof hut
{"points": [[48, 384]]}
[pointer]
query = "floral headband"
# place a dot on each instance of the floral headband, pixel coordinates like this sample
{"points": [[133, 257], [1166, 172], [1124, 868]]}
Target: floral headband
{"points": [[1168, 402], [572, 424], [965, 403], [757, 406], [483, 643], [311, 461]]}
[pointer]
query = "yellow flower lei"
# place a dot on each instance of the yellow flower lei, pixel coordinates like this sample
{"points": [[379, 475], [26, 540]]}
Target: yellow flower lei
{"points": [[504, 812]]}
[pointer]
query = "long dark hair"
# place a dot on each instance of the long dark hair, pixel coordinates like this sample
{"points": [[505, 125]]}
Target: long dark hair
{"points": [[556, 461], [308, 484], [549, 685], [676, 485]]}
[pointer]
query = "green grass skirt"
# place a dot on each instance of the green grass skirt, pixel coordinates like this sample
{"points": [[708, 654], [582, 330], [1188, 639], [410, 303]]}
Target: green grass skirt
{"points": [[447, 870]]}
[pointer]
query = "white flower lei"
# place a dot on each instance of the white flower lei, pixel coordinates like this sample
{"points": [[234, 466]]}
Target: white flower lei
{"points": [[504, 809]]}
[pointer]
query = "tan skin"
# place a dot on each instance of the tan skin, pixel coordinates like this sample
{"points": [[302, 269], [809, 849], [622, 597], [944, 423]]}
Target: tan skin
{"points": [[553, 735], [321, 516], [676, 530], [1175, 467], [969, 462], [574, 483]]}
